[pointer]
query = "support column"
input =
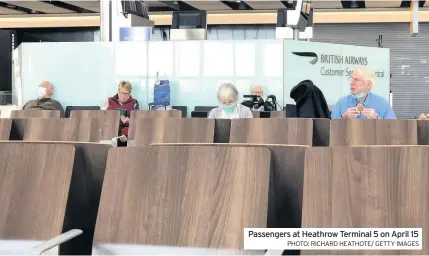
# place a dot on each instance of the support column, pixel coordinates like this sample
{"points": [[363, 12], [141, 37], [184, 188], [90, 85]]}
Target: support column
{"points": [[414, 22], [295, 34], [105, 21], [113, 20]]}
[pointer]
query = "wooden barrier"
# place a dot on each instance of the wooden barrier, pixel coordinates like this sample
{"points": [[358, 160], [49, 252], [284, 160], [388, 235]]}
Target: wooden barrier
{"points": [[34, 187], [286, 181], [353, 132], [5, 128], [181, 194], [55, 129], [145, 131], [89, 166], [366, 187], [34, 113], [108, 119], [295, 131]]}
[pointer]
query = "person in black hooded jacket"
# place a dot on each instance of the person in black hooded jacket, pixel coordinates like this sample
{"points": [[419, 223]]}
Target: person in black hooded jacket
{"points": [[310, 101]]}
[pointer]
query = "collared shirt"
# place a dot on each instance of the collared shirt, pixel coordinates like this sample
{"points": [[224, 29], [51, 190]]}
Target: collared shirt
{"points": [[372, 101]]}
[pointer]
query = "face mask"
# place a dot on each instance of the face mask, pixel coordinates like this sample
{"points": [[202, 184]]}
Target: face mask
{"points": [[359, 95], [229, 109], [41, 92]]}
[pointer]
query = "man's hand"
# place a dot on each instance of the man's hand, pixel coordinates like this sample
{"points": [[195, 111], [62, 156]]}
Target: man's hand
{"points": [[125, 119], [350, 113], [369, 113]]}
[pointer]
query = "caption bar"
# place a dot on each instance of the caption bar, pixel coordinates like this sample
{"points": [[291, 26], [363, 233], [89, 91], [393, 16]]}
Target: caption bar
{"points": [[333, 239]]}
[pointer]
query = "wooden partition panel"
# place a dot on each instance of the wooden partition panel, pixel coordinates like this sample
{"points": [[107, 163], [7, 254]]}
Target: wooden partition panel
{"points": [[49, 129], [85, 191], [89, 130], [136, 114], [34, 189], [32, 113], [5, 128], [145, 131], [183, 196], [373, 132], [286, 181], [109, 121], [367, 187], [296, 131], [53, 129]]}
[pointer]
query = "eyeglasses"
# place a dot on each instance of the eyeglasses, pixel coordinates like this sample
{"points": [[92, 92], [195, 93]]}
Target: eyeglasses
{"points": [[124, 93], [354, 79]]}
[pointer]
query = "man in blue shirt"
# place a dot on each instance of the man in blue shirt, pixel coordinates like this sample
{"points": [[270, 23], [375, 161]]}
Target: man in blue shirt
{"points": [[361, 103]]}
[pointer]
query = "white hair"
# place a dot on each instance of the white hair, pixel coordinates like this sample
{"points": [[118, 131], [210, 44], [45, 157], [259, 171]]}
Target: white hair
{"points": [[227, 91], [367, 74], [253, 86]]}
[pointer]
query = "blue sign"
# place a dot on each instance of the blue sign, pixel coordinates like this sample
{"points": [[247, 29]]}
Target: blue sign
{"points": [[135, 34]]}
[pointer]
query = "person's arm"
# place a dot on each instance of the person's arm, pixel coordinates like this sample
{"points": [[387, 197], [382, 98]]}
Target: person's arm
{"points": [[25, 105], [212, 113], [136, 106], [336, 111], [57, 106], [60, 108]]}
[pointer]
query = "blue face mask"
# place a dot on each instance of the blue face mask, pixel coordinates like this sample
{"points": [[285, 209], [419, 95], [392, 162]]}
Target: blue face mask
{"points": [[359, 95], [229, 108]]}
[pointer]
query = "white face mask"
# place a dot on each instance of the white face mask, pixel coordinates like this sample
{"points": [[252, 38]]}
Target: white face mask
{"points": [[41, 92]]}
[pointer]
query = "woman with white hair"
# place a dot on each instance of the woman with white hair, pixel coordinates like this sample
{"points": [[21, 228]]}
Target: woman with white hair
{"points": [[229, 108], [361, 103]]}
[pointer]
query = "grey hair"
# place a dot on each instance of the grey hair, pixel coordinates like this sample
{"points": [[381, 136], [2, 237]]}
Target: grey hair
{"points": [[253, 86], [228, 91], [367, 73]]}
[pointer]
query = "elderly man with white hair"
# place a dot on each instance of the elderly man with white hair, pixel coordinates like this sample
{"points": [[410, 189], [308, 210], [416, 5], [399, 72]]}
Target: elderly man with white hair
{"points": [[361, 103], [228, 104], [256, 89]]}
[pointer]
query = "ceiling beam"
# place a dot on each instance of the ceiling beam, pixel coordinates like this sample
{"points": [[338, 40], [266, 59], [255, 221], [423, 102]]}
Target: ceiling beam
{"points": [[68, 6], [160, 9], [178, 5], [241, 5], [407, 3], [288, 5], [19, 8], [353, 4]]}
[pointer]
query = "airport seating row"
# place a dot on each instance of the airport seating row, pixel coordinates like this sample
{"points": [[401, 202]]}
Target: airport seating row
{"points": [[168, 197], [96, 126]]}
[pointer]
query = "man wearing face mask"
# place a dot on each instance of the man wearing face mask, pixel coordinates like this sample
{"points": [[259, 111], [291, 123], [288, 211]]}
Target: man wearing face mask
{"points": [[44, 100], [229, 108], [361, 103]]}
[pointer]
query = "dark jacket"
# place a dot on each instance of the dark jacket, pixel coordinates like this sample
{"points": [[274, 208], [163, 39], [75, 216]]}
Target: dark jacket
{"points": [[130, 105], [310, 102], [44, 104]]}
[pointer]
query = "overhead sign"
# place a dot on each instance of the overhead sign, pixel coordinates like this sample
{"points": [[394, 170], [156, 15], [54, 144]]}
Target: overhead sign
{"points": [[135, 34], [330, 66]]}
